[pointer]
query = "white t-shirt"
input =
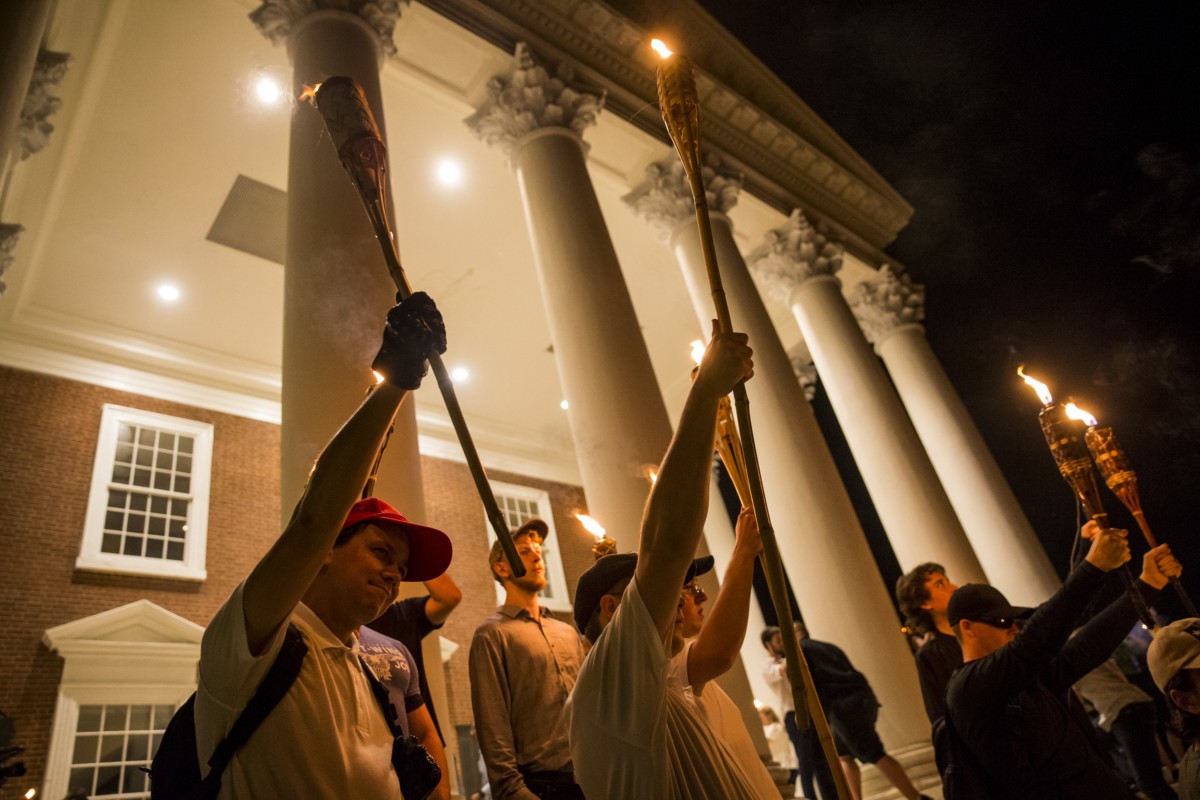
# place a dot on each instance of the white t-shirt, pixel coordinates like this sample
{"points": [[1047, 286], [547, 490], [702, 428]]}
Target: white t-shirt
{"points": [[326, 738], [726, 722], [633, 733]]}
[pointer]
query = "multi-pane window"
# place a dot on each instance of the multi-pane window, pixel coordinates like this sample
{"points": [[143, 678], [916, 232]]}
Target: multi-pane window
{"points": [[113, 743], [149, 502], [519, 504]]}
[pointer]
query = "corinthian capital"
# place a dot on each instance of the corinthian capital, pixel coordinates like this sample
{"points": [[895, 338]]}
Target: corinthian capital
{"points": [[665, 200], [806, 373], [276, 18], [34, 128], [528, 98], [792, 254], [8, 241], [887, 301]]}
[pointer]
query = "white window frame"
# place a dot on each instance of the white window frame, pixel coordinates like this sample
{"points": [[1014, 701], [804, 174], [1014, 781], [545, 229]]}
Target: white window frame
{"points": [[551, 552], [138, 654], [192, 567]]}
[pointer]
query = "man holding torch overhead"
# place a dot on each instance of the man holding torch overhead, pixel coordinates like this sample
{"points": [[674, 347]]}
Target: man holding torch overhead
{"points": [[1007, 705], [336, 566], [633, 732]]}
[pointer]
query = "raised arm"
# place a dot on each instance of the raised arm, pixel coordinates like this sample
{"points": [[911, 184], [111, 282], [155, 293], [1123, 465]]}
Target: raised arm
{"points": [[720, 640], [280, 579], [444, 597], [675, 511]]}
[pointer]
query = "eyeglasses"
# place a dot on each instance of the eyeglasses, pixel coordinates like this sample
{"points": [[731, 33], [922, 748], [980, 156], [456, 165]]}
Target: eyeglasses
{"points": [[696, 591], [1003, 623]]}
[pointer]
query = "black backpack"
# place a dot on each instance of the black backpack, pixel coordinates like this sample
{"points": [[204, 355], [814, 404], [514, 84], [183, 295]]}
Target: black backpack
{"points": [[175, 770], [962, 776]]}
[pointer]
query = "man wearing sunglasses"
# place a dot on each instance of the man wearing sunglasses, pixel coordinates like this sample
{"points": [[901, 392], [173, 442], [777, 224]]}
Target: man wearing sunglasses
{"points": [[710, 647], [1007, 705]]}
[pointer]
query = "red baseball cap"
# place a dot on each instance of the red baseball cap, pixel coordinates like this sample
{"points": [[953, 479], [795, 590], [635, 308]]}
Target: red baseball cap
{"points": [[429, 550]]}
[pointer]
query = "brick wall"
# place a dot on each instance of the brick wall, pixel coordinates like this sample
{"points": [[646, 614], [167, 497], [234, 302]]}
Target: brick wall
{"points": [[48, 431]]}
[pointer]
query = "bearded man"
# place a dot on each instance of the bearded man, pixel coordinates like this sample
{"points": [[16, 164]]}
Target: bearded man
{"points": [[523, 666]]}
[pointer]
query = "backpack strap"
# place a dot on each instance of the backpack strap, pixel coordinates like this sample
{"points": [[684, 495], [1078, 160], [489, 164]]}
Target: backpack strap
{"points": [[275, 684]]}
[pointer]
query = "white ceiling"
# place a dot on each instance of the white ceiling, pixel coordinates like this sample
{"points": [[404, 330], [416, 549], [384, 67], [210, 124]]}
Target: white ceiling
{"points": [[159, 118]]}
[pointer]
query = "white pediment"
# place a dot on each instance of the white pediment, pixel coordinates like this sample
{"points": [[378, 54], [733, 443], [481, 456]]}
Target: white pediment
{"points": [[139, 622]]}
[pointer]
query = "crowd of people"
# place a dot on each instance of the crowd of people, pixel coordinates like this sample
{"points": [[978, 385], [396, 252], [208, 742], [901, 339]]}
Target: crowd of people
{"points": [[623, 703]]}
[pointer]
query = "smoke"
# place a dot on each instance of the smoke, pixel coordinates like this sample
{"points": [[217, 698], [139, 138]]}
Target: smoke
{"points": [[1162, 213]]}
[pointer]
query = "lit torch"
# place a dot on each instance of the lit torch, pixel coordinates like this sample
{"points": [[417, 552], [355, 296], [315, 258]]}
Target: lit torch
{"points": [[360, 148], [1120, 478], [604, 545], [680, 106], [1071, 457]]}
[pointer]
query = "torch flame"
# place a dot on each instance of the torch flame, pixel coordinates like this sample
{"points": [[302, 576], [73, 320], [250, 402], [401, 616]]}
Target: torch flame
{"points": [[378, 377], [697, 351], [661, 48], [650, 473], [1043, 391], [1075, 412], [310, 94], [593, 527]]}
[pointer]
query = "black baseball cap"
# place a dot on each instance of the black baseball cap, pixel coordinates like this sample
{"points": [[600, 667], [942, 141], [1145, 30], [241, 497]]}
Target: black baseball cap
{"points": [[979, 602], [610, 570]]}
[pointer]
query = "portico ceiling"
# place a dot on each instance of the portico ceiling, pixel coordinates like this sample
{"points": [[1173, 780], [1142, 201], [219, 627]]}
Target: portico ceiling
{"points": [[159, 119]]}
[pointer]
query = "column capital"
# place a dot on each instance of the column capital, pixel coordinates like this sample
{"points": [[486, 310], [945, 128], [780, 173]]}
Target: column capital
{"points": [[806, 372], [793, 253], [527, 98], [34, 128], [9, 233], [665, 200], [275, 19], [886, 302]]}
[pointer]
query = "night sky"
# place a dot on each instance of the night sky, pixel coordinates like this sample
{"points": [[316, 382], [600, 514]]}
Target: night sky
{"points": [[1051, 154]]}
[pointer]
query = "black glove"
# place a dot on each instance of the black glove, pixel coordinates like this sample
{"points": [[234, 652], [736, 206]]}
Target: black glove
{"points": [[414, 329]]}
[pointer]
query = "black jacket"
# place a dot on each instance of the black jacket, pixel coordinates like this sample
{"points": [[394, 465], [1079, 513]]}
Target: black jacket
{"points": [[1011, 709]]}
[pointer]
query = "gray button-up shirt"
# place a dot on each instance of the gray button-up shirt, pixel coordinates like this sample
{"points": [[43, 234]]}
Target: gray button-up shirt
{"points": [[522, 671]]}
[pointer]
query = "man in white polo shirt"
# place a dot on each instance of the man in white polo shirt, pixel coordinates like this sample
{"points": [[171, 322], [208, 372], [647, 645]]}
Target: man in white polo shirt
{"points": [[337, 565], [633, 733]]}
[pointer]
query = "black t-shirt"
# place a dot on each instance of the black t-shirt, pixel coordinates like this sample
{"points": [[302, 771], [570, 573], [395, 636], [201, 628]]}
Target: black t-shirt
{"points": [[936, 661], [834, 677], [406, 622]]}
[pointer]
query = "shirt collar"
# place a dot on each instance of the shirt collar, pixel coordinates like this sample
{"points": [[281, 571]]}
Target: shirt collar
{"points": [[517, 612], [321, 633]]}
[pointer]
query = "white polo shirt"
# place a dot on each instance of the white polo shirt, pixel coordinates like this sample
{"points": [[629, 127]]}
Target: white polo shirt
{"points": [[633, 733], [726, 722], [326, 738]]}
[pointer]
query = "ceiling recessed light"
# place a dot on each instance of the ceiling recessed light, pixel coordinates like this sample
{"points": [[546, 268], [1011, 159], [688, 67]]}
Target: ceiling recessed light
{"points": [[564, 405], [268, 90], [460, 374], [449, 172], [168, 292]]}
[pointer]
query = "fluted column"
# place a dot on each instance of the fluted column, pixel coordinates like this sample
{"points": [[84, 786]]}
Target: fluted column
{"points": [[798, 264], [890, 309], [840, 591], [616, 413]]}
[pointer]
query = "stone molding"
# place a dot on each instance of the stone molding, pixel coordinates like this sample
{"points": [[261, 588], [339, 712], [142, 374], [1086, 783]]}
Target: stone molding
{"points": [[806, 373], [9, 234], [527, 99], [665, 200], [793, 253], [275, 19], [886, 302], [790, 157], [34, 128]]}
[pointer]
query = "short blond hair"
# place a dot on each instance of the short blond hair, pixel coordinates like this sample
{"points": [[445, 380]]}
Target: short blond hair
{"points": [[534, 529]]}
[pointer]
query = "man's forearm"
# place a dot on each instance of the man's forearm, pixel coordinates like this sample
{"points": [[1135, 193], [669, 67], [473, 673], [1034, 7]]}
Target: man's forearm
{"points": [[720, 639], [1097, 640]]}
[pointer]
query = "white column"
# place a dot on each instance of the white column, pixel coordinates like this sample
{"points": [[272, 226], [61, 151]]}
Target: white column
{"points": [[890, 309], [336, 286], [618, 421], [833, 574], [797, 263], [22, 24]]}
